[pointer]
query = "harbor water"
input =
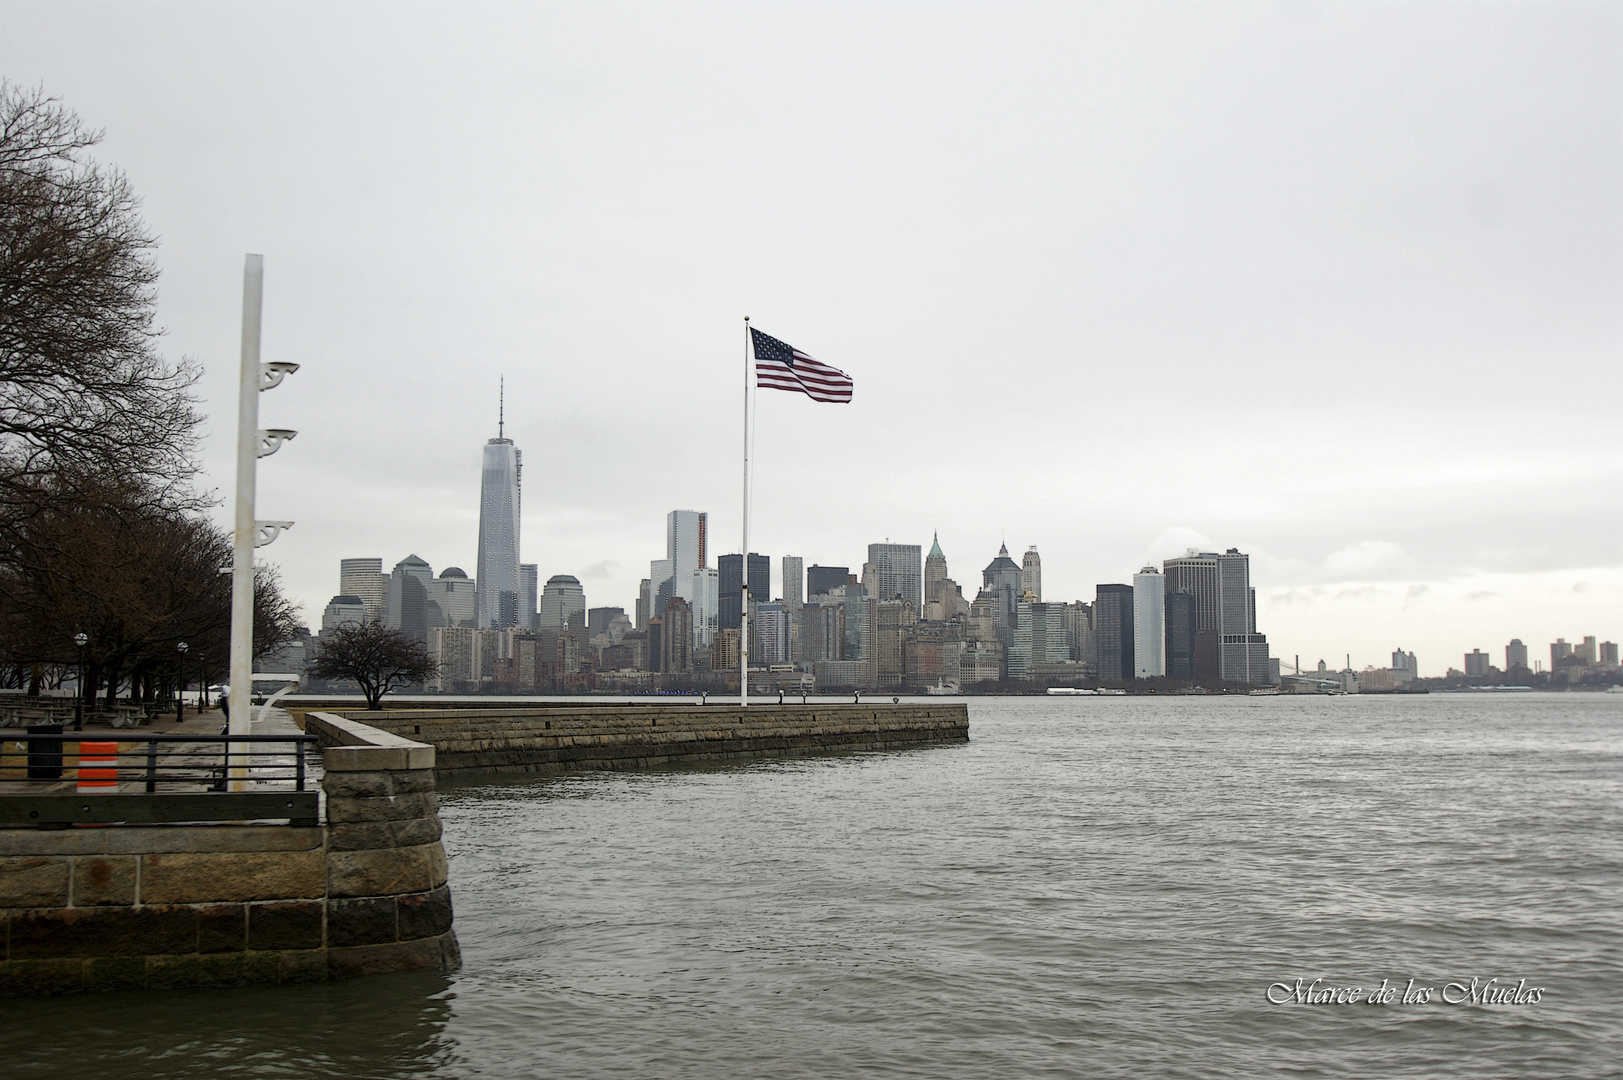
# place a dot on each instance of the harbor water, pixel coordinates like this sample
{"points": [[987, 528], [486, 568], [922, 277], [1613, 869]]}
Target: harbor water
{"points": [[1091, 887]]}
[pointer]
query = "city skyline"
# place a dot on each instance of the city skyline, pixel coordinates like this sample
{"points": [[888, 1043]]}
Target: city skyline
{"points": [[1137, 631], [1356, 301], [1215, 589]]}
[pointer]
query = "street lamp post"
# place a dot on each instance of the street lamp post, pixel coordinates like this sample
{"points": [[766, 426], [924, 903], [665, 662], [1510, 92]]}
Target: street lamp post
{"points": [[80, 639], [180, 694], [248, 533]]}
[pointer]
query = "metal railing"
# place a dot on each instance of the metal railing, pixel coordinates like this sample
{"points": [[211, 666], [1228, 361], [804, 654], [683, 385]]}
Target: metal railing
{"points": [[155, 779], [197, 762], [121, 716]]}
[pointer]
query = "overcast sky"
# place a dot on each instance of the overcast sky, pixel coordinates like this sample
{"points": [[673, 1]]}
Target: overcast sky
{"points": [[1340, 285]]}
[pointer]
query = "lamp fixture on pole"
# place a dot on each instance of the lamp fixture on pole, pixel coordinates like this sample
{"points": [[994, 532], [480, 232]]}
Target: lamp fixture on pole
{"points": [[180, 691], [80, 639]]}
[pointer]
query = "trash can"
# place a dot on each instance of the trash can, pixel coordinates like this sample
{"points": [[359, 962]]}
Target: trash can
{"points": [[45, 755]]}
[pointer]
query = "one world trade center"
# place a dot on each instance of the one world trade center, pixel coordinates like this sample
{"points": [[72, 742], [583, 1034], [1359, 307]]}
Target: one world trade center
{"points": [[497, 581]]}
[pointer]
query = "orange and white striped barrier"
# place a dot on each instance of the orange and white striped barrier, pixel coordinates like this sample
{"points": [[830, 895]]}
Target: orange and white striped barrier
{"points": [[98, 768]]}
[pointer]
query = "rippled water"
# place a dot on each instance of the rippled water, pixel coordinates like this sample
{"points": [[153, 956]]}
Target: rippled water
{"points": [[1088, 888]]}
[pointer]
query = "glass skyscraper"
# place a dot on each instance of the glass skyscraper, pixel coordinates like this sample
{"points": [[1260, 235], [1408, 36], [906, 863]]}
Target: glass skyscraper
{"points": [[730, 587], [497, 579], [685, 543], [899, 572]]}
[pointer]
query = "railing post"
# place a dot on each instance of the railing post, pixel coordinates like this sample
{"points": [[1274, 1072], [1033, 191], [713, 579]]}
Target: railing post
{"points": [[152, 765], [298, 758]]}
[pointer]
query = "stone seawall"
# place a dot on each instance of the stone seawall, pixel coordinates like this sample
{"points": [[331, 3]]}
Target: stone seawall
{"points": [[198, 905], [557, 740]]}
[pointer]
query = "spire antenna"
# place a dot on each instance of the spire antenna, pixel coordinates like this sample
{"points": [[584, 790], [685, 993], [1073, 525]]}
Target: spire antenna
{"points": [[501, 404]]}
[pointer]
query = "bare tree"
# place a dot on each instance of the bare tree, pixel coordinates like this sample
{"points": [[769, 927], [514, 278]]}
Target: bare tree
{"points": [[136, 580], [101, 531], [374, 656], [83, 390]]}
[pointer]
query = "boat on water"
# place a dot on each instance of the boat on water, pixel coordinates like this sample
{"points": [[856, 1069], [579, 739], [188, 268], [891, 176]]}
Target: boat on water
{"points": [[1264, 691], [1106, 691], [1071, 691], [942, 688]]}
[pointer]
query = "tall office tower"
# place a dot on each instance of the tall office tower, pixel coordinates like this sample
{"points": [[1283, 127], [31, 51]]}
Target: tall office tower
{"points": [[898, 569], [1560, 649], [1586, 650], [661, 584], [857, 619], [1515, 655], [760, 571], [1237, 601], [645, 603], [1225, 609], [1113, 631], [706, 606], [935, 566], [1031, 576], [676, 637], [1195, 573], [407, 606], [821, 580], [452, 648], [730, 587], [770, 631], [1039, 639], [724, 651], [453, 594], [562, 600], [1476, 663], [1079, 630], [792, 571], [685, 548], [1180, 635], [893, 622], [1149, 624], [343, 609], [529, 594], [1001, 581], [498, 593], [365, 578], [822, 632], [1608, 654]]}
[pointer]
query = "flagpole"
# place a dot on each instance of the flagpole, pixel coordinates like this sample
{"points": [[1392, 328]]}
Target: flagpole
{"points": [[744, 597]]}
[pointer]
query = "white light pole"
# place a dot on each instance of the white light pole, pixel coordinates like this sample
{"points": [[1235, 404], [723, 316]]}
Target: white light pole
{"points": [[249, 533]]}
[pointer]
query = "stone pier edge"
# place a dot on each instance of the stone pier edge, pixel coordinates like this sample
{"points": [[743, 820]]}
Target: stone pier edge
{"points": [[148, 907], [367, 891], [559, 739]]}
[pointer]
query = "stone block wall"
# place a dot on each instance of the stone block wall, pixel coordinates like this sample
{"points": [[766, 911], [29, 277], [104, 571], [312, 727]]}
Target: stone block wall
{"points": [[556, 739], [388, 901], [190, 905]]}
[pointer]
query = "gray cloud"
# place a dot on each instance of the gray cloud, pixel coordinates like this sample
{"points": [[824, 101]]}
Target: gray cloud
{"points": [[1272, 278]]}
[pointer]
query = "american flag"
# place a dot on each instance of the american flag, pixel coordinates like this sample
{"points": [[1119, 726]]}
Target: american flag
{"points": [[781, 367]]}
